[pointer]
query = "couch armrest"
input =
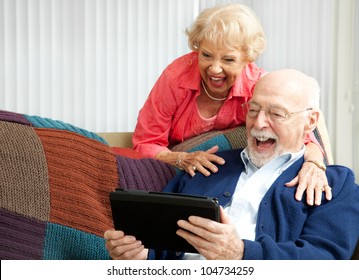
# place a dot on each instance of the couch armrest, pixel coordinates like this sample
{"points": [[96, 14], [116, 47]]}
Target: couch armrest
{"points": [[117, 139]]}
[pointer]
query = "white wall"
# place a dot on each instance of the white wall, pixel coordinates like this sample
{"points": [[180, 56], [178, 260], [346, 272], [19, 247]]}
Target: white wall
{"points": [[87, 62], [92, 63], [344, 87]]}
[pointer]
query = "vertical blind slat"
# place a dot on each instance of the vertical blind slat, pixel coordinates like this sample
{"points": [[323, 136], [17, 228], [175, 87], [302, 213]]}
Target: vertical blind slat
{"points": [[88, 62]]}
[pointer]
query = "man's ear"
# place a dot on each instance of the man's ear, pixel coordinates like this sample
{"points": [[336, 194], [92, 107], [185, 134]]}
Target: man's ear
{"points": [[312, 121]]}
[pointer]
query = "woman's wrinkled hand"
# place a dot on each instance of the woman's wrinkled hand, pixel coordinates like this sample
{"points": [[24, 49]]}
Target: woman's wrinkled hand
{"points": [[313, 181], [200, 161]]}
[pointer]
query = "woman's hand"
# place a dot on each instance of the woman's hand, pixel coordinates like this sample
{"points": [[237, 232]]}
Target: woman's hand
{"points": [[199, 161], [313, 181], [124, 247], [213, 240], [312, 178]]}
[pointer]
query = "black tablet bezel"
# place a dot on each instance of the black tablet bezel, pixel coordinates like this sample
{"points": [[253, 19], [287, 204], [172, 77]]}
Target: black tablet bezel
{"points": [[152, 216]]}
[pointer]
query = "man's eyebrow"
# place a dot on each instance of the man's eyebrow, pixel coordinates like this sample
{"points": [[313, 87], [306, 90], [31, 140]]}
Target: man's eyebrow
{"points": [[276, 106]]}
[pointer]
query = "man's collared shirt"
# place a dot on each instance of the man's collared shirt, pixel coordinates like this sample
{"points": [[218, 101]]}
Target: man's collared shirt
{"points": [[252, 185]]}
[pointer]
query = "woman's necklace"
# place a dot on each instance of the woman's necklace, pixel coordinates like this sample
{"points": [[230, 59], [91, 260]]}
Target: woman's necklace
{"points": [[210, 96]]}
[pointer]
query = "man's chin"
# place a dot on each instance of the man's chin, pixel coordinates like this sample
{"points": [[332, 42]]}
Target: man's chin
{"points": [[262, 158], [260, 161]]}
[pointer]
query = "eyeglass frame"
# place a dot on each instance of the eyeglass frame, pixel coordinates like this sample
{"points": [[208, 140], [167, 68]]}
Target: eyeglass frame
{"points": [[268, 114]]}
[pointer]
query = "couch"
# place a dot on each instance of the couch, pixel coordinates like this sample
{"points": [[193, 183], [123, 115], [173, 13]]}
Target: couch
{"points": [[56, 179]]}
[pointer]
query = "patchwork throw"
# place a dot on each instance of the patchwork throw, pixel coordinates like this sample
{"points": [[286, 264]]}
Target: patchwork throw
{"points": [[55, 181]]}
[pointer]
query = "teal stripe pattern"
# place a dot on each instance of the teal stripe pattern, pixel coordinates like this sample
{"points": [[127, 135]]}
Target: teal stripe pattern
{"points": [[41, 122], [65, 243], [219, 140]]}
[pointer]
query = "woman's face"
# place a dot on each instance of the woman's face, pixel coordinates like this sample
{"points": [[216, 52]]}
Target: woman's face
{"points": [[219, 67]]}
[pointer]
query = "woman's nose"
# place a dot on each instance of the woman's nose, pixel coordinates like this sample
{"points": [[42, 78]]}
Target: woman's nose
{"points": [[215, 68]]}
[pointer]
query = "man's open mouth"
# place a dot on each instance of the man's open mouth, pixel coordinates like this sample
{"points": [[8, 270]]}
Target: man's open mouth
{"points": [[264, 143]]}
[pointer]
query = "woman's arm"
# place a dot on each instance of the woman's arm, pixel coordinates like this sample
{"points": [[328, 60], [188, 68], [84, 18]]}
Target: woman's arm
{"points": [[151, 134]]}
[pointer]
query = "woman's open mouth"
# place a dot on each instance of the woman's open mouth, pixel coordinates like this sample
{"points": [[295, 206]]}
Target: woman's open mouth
{"points": [[217, 81]]}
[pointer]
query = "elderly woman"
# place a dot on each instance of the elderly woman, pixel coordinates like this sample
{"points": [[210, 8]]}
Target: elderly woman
{"points": [[203, 91]]}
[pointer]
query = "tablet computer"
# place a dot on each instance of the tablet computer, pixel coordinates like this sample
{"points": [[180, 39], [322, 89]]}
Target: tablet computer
{"points": [[152, 216]]}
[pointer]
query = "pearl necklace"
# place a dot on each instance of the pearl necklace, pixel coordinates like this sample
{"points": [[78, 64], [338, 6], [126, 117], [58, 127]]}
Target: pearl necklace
{"points": [[210, 96]]}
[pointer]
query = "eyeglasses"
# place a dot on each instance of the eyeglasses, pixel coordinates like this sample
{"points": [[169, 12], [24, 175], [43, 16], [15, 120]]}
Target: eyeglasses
{"points": [[273, 114]]}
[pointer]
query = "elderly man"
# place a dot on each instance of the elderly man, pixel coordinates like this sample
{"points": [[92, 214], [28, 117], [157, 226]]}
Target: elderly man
{"points": [[260, 218]]}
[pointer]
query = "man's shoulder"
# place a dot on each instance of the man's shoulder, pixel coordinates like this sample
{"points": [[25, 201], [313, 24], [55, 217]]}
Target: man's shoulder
{"points": [[339, 171], [341, 178]]}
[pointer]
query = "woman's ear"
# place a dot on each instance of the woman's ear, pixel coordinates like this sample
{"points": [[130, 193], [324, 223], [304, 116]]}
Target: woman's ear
{"points": [[312, 121]]}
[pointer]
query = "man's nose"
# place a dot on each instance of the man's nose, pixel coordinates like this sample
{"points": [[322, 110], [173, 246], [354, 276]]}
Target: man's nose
{"points": [[261, 120]]}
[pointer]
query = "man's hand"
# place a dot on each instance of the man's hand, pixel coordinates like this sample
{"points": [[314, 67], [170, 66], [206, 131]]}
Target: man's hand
{"points": [[124, 247], [213, 240]]}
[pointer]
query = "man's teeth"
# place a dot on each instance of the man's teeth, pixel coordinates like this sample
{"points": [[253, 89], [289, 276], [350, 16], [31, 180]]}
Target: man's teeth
{"points": [[262, 139]]}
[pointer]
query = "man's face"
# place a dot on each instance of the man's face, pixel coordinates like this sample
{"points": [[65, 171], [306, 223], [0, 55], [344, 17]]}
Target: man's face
{"points": [[268, 135]]}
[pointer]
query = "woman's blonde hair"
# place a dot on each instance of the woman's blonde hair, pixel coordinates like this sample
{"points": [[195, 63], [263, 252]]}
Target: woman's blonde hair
{"points": [[233, 26]]}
